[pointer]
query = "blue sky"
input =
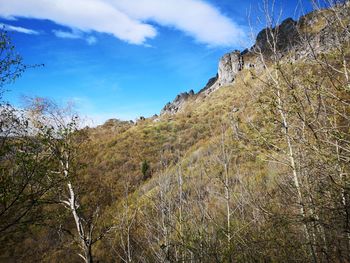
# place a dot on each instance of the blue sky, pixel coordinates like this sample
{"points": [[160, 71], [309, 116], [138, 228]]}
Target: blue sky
{"points": [[124, 58]]}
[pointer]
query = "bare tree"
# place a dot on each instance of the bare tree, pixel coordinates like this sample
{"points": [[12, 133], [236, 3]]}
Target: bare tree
{"points": [[24, 176], [306, 98], [58, 128]]}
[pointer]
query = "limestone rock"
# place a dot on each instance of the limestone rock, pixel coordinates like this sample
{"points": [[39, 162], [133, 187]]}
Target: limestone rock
{"points": [[290, 35], [177, 104], [287, 37], [209, 84], [229, 65]]}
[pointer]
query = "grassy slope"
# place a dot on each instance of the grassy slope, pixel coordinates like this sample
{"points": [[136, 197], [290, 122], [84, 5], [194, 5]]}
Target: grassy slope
{"points": [[189, 140], [118, 154], [118, 149]]}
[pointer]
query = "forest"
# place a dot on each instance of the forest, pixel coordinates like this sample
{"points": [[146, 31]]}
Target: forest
{"points": [[256, 171]]}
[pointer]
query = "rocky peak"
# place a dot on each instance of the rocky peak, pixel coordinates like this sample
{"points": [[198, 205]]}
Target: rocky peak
{"points": [[287, 36], [230, 64], [209, 84], [177, 104]]}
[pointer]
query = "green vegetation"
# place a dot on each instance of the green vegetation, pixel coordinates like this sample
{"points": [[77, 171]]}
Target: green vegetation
{"points": [[257, 171]]}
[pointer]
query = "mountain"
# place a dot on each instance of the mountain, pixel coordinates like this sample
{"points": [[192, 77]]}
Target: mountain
{"points": [[290, 34], [233, 127], [252, 168]]}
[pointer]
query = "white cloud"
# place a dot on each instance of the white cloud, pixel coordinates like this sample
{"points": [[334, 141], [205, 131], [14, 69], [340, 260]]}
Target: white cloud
{"points": [[19, 29], [91, 40], [195, 17], [66, 34], [129, 20], [75, 34], [85, 15]]}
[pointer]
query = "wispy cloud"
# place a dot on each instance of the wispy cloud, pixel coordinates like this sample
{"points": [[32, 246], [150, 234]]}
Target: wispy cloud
{"points": [[197, 18], [10, 18], [91, 40], [66, 34], [133, 21], [19, 29], [75, 34]]}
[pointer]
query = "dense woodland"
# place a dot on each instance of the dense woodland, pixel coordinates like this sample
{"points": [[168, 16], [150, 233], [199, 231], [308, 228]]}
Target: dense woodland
{"points": [[257, 171]]}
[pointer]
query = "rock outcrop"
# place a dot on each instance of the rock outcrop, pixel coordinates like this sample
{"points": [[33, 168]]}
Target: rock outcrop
{"points": [[177, 104], [229, 65], [320, 36], [286, 36], [210, 83], [290, 36]]}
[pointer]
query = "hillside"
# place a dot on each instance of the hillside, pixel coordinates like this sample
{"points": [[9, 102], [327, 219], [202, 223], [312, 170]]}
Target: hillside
{"points": [[191, 120], [253, 168], [231, 127]]}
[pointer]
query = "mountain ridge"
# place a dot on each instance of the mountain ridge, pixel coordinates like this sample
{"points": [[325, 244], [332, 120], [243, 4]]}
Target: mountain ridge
{"points": [[253, 168], [290, 34]]}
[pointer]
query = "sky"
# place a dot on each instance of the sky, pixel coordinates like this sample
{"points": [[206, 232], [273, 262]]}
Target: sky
{"points": [[126, 58]]}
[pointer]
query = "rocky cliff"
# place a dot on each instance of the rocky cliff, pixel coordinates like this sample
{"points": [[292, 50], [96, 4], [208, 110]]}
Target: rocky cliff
{"points": [[176, 105], [309, 36]]}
